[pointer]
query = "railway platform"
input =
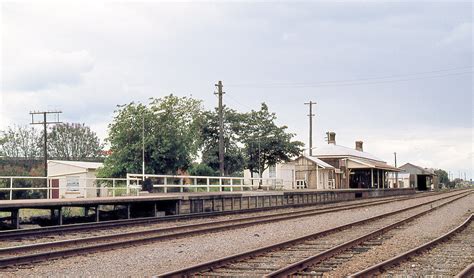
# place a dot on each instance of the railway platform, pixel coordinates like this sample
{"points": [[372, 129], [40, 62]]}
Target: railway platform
{"points": [[162, 204]]}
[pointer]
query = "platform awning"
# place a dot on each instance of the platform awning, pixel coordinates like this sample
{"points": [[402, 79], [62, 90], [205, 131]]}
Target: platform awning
{"points": [[361, 164], [318, 162]]}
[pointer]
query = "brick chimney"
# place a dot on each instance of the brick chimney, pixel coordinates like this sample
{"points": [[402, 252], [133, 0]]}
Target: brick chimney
{"points": [[360, 146], [331, 137]]}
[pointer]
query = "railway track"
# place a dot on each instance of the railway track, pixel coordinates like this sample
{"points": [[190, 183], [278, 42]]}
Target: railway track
{"points": [[449, 255], [111, 224], [25, 254], [293, 257], [172, 219]]}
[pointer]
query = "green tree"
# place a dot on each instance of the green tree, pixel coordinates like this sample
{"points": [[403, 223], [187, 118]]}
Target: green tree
{"points": [[202, 169], [234, 161], [172, 136], [266, 143], [443, 176], [73, 141], [20, 142]]}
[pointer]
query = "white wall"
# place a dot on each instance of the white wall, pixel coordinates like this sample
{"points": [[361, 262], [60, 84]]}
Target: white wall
{"points": [[284, 172], [69, 174], [403, 180]]}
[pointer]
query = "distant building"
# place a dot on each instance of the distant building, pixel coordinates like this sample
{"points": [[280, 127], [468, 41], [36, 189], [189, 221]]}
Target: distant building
{"points": [[421, 178], [353, 167], [74, 179]]}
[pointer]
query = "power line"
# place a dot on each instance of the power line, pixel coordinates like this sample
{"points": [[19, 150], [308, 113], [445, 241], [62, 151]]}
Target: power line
{"points": [[44, 121], [352, 82]]}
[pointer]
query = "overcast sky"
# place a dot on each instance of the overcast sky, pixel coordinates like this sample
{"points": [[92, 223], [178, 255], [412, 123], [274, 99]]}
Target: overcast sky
{"points": [[397, 76]]}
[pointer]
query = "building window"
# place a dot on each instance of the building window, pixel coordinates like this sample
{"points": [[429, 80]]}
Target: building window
{"points": [[272, 171], [72, 184]]}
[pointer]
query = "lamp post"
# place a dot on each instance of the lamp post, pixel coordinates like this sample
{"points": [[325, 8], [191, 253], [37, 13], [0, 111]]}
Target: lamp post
{"points": [[143, 141]]}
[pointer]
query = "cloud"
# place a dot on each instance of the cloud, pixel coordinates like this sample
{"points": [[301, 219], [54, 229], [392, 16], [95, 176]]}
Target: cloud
{"points": [[45, 69], [460, 35]]}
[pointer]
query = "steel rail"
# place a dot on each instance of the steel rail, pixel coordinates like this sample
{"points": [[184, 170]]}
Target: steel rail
{"points": [[467, 272], [300, 265], [188, 271], [404, 256], [240, 222], [146, 220], [198, 229]]}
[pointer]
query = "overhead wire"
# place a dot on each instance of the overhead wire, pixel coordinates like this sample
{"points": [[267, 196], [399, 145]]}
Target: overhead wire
{"points": [[354, 82]]}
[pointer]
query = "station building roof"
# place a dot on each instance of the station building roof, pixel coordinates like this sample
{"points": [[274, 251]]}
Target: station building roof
{"points": [[336, 151], [80, 164]]}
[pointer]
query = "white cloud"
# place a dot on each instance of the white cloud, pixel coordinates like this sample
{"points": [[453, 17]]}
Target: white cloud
{"points": [[87, 57], [35, 70], [460, 35]]}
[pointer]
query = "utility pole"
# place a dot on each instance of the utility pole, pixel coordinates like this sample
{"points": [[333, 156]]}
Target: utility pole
{"points": [[396, 173], [45, 122], [221, 128], [310, 103]]}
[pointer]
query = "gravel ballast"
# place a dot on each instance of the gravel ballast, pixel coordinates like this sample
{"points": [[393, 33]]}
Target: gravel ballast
{"points": [[412, 234], [165, 256]]}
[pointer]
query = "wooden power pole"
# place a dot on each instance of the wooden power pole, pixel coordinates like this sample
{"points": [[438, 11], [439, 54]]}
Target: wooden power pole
{"points": [[310, 126], [44, 121], [221, 128]]}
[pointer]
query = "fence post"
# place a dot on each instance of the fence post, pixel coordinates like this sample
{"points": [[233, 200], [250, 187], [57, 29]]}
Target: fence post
{"points": [[11, 188], [113, 188], [208, 183], [220, 184], [231, 186]]}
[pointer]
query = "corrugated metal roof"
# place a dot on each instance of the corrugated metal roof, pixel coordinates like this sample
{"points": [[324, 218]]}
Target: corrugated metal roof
{"points": [[318, 161], [80, 164], [338, 151]]}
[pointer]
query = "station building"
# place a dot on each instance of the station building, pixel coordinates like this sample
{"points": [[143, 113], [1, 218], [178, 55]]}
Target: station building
{"points": [[354, 168], [332, 167]]}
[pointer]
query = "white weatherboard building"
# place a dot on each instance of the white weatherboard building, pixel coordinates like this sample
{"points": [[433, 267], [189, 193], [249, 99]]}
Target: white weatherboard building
{"points": [[74, 179], [302, 172]]}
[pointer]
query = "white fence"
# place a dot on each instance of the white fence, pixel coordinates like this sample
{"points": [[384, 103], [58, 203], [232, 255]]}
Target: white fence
{"points": [[165, 183], [21, 187]]}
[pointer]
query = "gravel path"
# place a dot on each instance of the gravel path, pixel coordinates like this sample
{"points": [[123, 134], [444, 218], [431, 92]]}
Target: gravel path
{"points": [[170, 255], [412, 234]]}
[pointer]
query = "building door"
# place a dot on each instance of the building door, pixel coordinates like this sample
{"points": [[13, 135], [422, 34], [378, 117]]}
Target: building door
{"points": [[421, 182], [55, 190]]}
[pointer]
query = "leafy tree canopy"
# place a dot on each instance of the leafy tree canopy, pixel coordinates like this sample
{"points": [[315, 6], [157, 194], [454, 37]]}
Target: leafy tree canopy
{"points": [[172, 136], [234, 160], [20, 142], [72, 141], [265, 143]]}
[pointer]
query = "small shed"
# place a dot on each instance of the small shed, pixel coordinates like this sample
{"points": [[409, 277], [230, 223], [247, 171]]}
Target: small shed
{"points": [[421, 178], [73, 179]]}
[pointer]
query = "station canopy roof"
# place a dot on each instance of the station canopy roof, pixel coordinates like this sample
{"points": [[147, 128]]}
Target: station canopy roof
{"points": [[364, 164]]}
